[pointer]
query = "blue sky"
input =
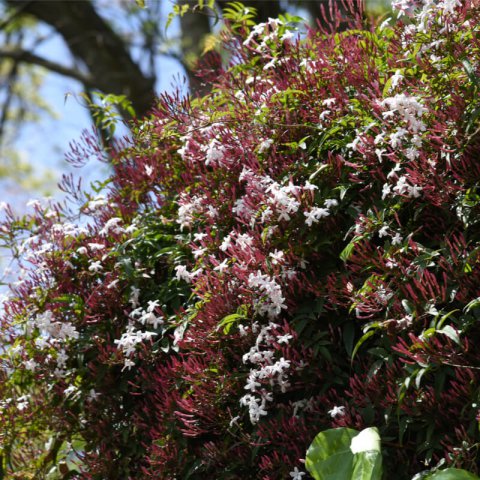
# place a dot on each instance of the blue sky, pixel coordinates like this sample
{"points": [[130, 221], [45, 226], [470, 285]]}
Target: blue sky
{"points": [[44, 143]]}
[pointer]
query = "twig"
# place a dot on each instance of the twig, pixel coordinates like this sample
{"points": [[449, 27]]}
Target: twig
{"points": [[21, 55]]}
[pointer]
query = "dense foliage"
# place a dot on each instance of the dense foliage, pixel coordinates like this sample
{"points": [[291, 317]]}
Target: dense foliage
{"points": [[296, 251]]}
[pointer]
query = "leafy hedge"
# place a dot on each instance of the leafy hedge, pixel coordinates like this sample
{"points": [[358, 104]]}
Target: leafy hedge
{"points": [[294, 252]]}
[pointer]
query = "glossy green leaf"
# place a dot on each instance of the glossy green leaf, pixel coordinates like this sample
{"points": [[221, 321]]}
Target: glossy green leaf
{"points": [[365, 337], [451, 333], [329, 456], [367, 466], [345, 454], [452, 474]]}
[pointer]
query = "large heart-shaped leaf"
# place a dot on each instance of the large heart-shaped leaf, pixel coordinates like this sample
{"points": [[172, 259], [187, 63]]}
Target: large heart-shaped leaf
{"points": [[345, 454], [452, 474]]}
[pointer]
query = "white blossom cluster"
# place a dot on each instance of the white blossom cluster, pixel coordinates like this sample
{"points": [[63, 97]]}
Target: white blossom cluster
{"points": [[188, 208], [425, 11], [272, 301], [408, 140], [260, 29], [52, 333], [215, 153], [144, 316], [129, 340], [410, 110], [56, 330], [148, 316], [112, 226], [266, 369]]}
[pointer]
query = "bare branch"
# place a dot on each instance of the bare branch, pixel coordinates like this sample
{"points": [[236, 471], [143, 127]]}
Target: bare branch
{"points": [[21, 55]]}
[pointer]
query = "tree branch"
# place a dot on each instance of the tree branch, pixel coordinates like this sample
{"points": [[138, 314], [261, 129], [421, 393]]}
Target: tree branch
{"points": [[102, 50], [21, 55]]}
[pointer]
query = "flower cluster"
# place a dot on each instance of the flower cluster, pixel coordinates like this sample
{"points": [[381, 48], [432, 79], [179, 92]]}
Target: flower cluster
{"points": [[296, 251]]}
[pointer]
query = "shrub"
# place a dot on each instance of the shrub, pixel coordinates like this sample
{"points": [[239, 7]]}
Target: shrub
{"points": [[294, 252]]}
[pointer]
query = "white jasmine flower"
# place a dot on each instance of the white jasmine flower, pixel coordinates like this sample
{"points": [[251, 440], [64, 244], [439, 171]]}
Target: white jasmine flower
{"points": [[22, 405], [379, 152], [383, 232], [325, 114], [41, 343], [234, 420], [277, 256], [134, 297], [198, 252], [397, 239], [112, 225], [412, 153], [226, 243], [270, 64], [243, 330], [396, 79], [401, 187], [31, 365], [252, 384], [315, 214], [92, 395], [215, 153], [182, 273], [131, 338], [337, 411], [95, 246], [284, 338], [113, 283], [288, 35], [309, 186], [128, 364], [95, 267], [197, 237], [330, 202], [152, 305], [34, 203], [221, 267], [385, 23], [296, 474], [265, 145], [386, 190], [414, 191], [96, 203], [69, 390]]}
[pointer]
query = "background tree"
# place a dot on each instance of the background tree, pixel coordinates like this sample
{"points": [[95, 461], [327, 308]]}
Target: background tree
{"points": [[109, 57]]}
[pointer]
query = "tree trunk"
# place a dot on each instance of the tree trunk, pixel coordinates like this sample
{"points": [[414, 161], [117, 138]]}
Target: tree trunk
{"points": [[93, 42], [195, 27]]}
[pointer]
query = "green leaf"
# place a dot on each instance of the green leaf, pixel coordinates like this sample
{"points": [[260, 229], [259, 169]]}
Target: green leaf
{"points": [[140, 3], [452, 474], [470, 70], [367, 466], [345, 454], [361, 341], [228, 321], [451, 333], [475, 303], [348, 337], [329, 456], [407, 306]]}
